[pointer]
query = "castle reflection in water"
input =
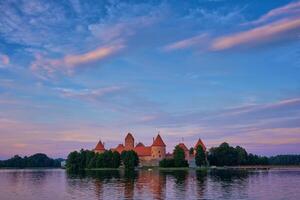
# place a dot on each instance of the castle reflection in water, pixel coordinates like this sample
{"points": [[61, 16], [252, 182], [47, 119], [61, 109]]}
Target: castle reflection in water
{"points": [[154, 184]]}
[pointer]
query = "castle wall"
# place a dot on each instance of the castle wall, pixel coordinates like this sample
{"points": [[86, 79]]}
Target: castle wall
{"points": [[148, 161], [158, 153]]}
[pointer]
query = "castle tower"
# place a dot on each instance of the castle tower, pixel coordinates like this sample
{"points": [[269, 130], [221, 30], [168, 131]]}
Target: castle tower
{"points": [[186, 150], [199, 143], [158, 148], [129, 142], [99, 147]]}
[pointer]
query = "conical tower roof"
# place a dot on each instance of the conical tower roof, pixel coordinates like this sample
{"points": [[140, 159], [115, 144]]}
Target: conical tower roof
{"points": [[99, 146], [158, 142], [129, 136], [199, 142]]}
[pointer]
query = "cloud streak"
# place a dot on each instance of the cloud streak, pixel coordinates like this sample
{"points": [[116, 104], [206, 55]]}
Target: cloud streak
{"points": [[95, 55], [284, 11], [279, 24], [47, 67], [186, 43], [268, 33], [89, 94], [272, 123]]}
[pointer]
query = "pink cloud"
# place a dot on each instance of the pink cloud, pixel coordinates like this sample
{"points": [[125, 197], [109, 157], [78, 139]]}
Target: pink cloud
{"points": [[45, 67], [186, 43], [259, 35], [97, 54], [4, 59]]}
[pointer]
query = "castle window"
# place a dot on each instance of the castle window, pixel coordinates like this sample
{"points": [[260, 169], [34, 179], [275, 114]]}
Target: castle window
{"points": [[158, 151]]}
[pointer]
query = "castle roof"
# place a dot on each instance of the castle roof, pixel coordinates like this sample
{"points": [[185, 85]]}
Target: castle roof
{"points": [[201, 144], [140, 145], [158, 142], [129, 137], [182, 146], [119, 148], [99, 146]]}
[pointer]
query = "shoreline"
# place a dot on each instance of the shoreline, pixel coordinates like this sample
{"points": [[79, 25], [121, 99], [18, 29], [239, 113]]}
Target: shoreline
{"points": [[150, 168], [256, 167]]}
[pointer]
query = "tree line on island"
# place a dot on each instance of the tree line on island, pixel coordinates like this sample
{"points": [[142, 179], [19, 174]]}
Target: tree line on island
{"points": [[223, 155], [86, 159]]}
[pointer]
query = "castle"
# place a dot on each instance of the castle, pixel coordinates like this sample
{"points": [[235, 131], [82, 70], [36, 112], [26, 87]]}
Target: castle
{"points": [[150, 155]]}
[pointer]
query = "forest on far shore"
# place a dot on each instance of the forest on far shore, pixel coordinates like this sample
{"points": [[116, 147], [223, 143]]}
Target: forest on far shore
{"points": [[36, 160], [226, 155]]}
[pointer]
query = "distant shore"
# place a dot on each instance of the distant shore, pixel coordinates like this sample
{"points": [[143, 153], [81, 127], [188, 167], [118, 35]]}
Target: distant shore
{"points": [[254, 167], [257, 167], [1, 168]]}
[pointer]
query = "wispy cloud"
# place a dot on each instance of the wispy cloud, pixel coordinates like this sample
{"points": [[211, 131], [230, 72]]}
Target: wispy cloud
{"points": [[47, 67], [289, 10], [121, 29], [275, 31], [270, 123], [279, 24], [89, 94], [94, 55], [186, 43]]}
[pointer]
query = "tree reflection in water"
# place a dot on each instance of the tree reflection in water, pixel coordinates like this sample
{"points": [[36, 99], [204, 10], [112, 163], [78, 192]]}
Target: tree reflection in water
{"points": [[153, 184], [228, 182], [178, 182], [201, 176], [130, 176]]}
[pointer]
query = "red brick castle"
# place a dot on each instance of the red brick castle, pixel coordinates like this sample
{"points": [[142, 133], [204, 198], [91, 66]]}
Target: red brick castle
{"points": [[149, 155]]}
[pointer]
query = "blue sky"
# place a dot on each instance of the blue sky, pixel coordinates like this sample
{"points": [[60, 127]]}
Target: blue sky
{"points": [[74, 72]]}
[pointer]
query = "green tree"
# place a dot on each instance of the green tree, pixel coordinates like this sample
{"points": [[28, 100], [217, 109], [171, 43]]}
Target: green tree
{"points": [[242, 155], [36, 160], [285, 160], [92, 162], [107, 159], [130, 159], [72, 162], [166, 163], [179, 157], [90, 155], [116, 159], [82, 159], [200, 157], [99, 160], [224, 155]]}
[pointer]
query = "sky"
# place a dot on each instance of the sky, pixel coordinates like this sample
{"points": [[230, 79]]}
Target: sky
{"points": [[73, 72]]}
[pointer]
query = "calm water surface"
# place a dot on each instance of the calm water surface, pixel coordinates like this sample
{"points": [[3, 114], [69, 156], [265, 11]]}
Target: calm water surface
{"points": [[143, 184]]}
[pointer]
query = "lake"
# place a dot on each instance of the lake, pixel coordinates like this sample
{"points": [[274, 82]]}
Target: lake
{"points": [[143, 184]]}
